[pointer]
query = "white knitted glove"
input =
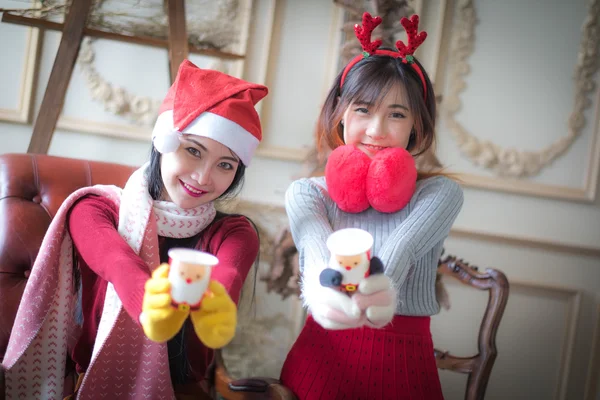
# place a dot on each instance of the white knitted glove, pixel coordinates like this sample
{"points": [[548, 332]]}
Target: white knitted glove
{"points": [[376, 297], [331, 308]]}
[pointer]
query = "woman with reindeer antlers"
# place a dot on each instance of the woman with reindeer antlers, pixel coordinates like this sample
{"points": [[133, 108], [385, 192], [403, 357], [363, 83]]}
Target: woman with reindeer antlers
{"points": [[375, 344]]}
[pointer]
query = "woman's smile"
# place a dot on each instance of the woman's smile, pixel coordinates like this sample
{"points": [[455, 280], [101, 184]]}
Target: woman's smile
{"points": [[192, 191], [374, 147]]}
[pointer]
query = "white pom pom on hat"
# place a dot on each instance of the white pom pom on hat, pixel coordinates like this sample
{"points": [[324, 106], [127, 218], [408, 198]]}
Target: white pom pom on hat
{"points": [[211, 104], [166, 142]]}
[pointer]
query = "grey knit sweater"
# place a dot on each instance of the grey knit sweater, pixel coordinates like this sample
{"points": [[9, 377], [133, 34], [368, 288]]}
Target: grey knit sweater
{"points": [[408, 242]]}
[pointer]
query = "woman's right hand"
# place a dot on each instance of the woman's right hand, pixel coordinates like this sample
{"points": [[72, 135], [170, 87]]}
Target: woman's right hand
{"points": [[330, 308], [159, 319], [376, 298], [333, 309]]}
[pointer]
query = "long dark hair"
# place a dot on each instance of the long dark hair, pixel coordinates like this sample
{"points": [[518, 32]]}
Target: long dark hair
{"points": [[156, 188], [369, 81], [179, 364]]}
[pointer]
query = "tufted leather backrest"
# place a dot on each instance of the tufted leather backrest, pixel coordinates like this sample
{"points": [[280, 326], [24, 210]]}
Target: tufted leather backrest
{"points": [[32, 188]]}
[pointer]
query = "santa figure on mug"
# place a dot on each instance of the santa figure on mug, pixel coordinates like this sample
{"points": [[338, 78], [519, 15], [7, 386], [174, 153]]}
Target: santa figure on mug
{"points": [[350, 260]]}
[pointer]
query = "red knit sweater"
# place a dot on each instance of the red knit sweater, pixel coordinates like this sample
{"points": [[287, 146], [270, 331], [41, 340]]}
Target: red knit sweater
{"points": [[104, 257]]}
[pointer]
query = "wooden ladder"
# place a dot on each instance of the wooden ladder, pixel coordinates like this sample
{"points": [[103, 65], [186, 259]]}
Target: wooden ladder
{"points": [[73, 30]]}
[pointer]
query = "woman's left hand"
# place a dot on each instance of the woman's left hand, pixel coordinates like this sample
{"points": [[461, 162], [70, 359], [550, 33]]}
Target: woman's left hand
{"points": [[376, 297], [216, 320]]}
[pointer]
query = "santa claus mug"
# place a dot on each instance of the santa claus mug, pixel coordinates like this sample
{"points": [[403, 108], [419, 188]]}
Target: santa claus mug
{"points": [[350, 260], [189, 274]]}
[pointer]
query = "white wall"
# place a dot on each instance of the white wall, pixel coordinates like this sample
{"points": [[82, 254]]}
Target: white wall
{"points": [[519, 93]]}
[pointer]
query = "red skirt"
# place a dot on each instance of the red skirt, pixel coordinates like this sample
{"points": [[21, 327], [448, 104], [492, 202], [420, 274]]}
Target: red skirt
{"points": [[395, 362]]}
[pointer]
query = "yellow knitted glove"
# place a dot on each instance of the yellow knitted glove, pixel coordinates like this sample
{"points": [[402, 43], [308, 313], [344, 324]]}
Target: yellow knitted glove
{"points": [[159, 319], [216, 320]]}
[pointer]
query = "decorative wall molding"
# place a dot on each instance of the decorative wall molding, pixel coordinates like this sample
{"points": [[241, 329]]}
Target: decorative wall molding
{"points": [[513, 162], [336, 39], [440, 46], [22, 113], [275, 15], [117, 100], [574, 301], [278, 211], [265, 8], [527, 242], [572, 298], [108, 129], [270, 13], [592, 385], [282, 153]]}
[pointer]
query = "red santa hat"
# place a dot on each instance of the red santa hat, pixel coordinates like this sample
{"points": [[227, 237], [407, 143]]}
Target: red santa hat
{"points": [[211, 104]]}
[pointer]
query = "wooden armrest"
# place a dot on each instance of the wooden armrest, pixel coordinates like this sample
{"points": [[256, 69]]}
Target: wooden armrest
{"points": [[257, 384], [444, 360], [249, 385]]}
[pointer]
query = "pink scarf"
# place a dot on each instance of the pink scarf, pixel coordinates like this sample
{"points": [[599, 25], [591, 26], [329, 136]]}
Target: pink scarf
{"points": [[124, 364]]}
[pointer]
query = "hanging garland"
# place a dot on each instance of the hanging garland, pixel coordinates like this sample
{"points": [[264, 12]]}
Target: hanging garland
{"points": [[510, 161]]}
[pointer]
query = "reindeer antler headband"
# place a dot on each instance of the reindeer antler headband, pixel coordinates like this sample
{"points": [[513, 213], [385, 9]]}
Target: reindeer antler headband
{"points": [[415, 39]]}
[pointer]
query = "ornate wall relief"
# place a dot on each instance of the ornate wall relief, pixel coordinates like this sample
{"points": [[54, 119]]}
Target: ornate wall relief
{"points": [[117, 100], [511, 161], [206, 28]]}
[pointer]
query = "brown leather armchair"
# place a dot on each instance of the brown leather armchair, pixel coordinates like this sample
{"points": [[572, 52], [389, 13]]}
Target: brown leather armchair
{"points": [[32, 188]]}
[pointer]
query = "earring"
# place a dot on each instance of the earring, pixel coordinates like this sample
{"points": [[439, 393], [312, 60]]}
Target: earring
{"points": [[342, 122]]}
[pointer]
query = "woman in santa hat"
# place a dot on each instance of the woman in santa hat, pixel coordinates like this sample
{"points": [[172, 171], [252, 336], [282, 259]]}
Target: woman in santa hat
{"points": [[110, 310], [375, 342]]}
